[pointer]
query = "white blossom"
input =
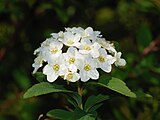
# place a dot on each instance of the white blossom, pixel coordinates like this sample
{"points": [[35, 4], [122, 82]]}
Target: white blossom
{"points": [[72, 56], [88, 69], [71, 39], [88, 48], [119, 61], [75, 54], [104, 61], [55, 68], [55, 48], [72, 76]]}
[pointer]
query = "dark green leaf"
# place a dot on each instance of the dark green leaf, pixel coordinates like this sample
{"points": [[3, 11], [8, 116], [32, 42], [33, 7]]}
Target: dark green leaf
{"points": [[75, 100], [87, 117], [43, 88], [72, 102], [60, 114], [39, 76], [95, 107], [93, 100], [78, 113]]}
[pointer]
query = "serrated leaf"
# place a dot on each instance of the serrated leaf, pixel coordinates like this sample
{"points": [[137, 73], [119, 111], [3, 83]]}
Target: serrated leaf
{"points": [[60, 114], [93, 100], [43, 88], [117, 85]]}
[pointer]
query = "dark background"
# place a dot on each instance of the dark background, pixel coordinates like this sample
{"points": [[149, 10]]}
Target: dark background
{"points": [[134, 24]]}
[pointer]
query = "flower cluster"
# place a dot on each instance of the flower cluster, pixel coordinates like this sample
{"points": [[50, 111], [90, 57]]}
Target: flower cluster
{"points": [[75, 54]]}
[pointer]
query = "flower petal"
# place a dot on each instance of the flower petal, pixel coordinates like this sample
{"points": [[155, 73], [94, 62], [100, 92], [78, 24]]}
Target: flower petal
{"points": [[94, 74], [52, 77], [84, 76]]}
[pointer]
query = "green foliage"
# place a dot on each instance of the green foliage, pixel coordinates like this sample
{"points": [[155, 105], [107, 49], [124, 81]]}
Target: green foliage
{"points": [[115, 84], [60, 114], [43, 88], [94, 102], [75, 99], [77, 114]]}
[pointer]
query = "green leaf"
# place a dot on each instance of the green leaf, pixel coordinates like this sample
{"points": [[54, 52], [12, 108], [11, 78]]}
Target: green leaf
{"points": [[114, 84], [43, 88], [93, 100], [77, 114], [95, 107], [72, 102], [117, 85], [75, 100], [39, 76], [87, 117], [141, 94], [60, 114]]}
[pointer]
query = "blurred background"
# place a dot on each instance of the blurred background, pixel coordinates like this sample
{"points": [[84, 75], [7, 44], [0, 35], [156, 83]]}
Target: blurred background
{"points": [[134, 24]]}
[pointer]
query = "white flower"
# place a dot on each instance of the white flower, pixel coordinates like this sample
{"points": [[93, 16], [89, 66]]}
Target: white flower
{"points": [[72, 76], [104, 61], [75, 30], [47, 42], [55, 68], [55, 48], [88, 48], [37, 63], [88, 32], [107, 45], [42, 54], [75, 54], [119, 60], [72, 56], [55, 35], [71, 39], [88, 69]]}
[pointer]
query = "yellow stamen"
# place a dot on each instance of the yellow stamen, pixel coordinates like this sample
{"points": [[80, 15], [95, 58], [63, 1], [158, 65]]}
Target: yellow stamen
{"points": [[101, 59], [87, 67], [69, 76], [70, 42], [71, 60], [56, 67], [54, 50], [87, 47]]}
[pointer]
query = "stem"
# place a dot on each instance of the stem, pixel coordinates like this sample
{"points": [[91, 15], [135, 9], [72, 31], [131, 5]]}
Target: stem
{"points": [[80, 92]]}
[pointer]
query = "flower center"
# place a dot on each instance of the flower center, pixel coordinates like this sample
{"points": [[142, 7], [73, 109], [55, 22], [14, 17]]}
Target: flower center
{"points": [[87, 47], [71, 60], [70, 42], [54, 50], [56, 67], [69, 76], [87, 67], [101, 59]]}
